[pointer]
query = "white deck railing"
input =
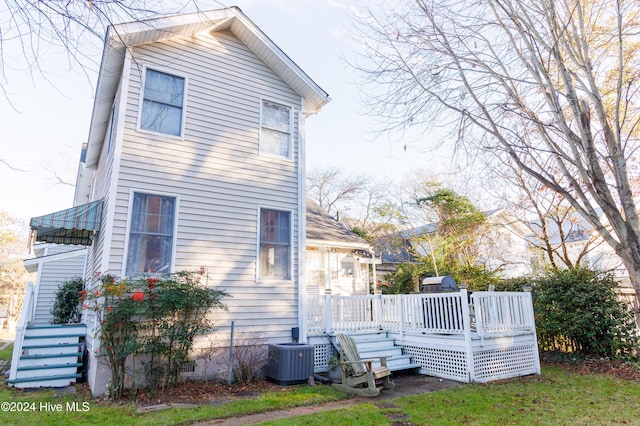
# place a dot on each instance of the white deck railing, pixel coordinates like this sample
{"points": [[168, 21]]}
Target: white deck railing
{"points": [[440, 313], [26, 317], [503, 312]]}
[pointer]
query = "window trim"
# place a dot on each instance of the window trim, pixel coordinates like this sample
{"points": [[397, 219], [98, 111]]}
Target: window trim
{"points": [[141, 101], [259, 277], [291, 129], [132, 192]]}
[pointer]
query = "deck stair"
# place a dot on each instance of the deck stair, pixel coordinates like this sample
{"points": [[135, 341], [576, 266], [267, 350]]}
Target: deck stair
{"points": [[51, 356], [376, 343]]}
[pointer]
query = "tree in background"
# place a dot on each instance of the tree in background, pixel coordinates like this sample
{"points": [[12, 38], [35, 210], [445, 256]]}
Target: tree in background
{"points": [[549, 85], [334, 190], [558, 235], [13, 275], [454, 245]]}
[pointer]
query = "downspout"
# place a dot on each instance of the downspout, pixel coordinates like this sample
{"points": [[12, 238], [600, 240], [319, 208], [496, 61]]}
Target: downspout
{"points": [[302, 226]]}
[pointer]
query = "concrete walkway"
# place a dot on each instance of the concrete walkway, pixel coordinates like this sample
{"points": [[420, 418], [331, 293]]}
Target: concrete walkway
{"points": [[404, 385]]}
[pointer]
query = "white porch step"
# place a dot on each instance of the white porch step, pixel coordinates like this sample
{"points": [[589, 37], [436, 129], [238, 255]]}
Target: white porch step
{"points": [[50, 357], [48, 370], [55, 331], [44, 360], [55, 381], [375, 344], [52, 349]]}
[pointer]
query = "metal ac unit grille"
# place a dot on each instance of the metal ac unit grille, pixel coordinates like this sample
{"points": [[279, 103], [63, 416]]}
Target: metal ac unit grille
{"points": [[290, 363]]}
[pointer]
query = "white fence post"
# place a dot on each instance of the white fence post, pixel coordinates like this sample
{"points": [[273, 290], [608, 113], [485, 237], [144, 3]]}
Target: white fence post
{"points": [[328, 313], [532, 320], [466, 325], [401, 320]]}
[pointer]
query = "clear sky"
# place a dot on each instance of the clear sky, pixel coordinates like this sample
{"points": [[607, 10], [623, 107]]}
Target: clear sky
{"points": [[42, 130]]}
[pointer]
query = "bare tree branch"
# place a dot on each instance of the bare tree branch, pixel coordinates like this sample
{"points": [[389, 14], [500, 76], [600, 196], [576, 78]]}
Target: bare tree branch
{"points": [[549, 86]]}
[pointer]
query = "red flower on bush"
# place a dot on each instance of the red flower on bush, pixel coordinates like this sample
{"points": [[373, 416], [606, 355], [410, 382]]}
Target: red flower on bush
{"points": [[138, 296], [152, 282]]}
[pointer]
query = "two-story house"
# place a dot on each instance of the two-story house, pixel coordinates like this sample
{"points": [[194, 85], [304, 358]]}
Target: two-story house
{"points": [[196, 158]]}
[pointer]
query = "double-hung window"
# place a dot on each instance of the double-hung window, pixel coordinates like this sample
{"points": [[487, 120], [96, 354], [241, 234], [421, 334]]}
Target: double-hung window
{"points": [[163, 103], [275, 129], [275, 244], [151, 234]]}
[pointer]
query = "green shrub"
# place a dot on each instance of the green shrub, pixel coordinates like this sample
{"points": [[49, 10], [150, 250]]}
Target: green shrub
{"points": [[578, 310], [155, 316], [514, 284], [403, 279], [66, 306]]}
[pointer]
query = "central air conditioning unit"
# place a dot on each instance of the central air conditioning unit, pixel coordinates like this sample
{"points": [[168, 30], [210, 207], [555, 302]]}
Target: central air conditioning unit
{"points": [[290, 363]]}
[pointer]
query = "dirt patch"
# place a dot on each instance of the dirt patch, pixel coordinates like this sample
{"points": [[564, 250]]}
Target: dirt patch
{"points": [[592, 365], [196, 392], [614, 368]]}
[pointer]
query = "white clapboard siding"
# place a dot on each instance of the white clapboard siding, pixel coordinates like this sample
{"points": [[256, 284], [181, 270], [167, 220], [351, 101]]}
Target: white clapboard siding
{"points": [[54, 273], [217, 172]]}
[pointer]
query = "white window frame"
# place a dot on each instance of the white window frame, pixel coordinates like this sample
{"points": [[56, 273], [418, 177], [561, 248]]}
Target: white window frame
{"points": [[259, 276], [290, 131], [176, 207], [141, 101]]}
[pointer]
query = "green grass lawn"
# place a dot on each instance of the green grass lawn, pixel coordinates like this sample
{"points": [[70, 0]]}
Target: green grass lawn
{"points": [[45, 407], [5, 354], [557, 397]]}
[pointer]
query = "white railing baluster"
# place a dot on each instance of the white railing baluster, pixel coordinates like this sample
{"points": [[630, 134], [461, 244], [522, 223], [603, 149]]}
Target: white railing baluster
{"points": [[440, 313]]}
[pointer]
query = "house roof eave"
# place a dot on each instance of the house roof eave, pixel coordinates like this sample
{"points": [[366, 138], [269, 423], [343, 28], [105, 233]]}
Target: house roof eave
{"points": [[338, 244]]}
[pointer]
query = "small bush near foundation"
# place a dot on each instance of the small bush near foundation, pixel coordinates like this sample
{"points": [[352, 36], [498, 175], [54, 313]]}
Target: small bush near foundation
{"points": [[66, 306], [250, 354], [156, 316]]}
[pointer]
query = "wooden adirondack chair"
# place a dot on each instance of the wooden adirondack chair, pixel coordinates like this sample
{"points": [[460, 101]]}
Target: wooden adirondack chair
{"points": [[357, 371]]}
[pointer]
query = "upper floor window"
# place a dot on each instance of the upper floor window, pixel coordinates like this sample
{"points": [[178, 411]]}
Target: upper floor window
{"points": [[163, 103], [275, 129], [275, 244], [151, 236]]}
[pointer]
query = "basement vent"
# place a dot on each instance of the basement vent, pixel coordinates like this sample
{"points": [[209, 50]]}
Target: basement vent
{"points": [[188, 367]]}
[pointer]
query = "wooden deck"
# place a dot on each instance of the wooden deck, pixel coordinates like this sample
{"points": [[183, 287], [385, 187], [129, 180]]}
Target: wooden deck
{"points": [[476, 337]]}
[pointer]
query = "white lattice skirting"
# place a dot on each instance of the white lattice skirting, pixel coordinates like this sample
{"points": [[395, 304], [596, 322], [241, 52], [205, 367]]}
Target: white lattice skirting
{"points": [[496, 364], [446, 363], [321, 356]]}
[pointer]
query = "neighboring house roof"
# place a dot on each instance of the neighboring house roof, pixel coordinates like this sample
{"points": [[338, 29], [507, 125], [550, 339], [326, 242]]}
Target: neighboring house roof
{"points": [[323, 229], [122, 37], [574, 228], [389, 242]]}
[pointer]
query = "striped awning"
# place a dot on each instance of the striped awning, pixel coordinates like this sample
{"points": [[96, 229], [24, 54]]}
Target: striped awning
{"points": [[71, 226]]}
